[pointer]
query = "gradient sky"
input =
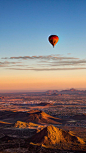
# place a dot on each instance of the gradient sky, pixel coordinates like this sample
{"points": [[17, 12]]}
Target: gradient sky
{"points": [[27, 59]]}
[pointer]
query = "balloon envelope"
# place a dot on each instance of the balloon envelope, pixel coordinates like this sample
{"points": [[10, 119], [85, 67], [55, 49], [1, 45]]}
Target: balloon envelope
{"points": [[53, 39]]}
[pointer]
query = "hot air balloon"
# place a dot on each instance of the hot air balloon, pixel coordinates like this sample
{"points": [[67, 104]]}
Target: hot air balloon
{"points": [[53, 39]]}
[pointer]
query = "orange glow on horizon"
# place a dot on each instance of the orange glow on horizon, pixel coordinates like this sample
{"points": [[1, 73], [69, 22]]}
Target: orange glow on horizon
{"points": [[40, 83]]}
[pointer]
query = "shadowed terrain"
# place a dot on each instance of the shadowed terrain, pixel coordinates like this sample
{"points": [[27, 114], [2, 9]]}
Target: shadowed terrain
{"points": [[35, 116], [41, 117], [49, 139], [53, 137], [47, 122]]}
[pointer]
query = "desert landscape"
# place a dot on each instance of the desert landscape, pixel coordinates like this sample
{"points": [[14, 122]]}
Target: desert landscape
{"points": [[42, 76], [51, 121]]}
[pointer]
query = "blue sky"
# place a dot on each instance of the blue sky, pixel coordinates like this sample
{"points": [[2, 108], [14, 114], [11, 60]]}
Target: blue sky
{"points": [[25, 26]]}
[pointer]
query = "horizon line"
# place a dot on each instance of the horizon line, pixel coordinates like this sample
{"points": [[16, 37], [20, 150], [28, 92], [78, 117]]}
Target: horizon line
{"points": [[41, 90]]}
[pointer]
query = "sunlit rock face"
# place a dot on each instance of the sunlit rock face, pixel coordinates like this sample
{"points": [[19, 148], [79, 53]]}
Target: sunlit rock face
{"points": [[42, 118], [52, 137]]}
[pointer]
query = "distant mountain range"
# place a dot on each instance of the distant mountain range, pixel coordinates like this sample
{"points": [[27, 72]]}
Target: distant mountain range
{"points": [[68, 91]]}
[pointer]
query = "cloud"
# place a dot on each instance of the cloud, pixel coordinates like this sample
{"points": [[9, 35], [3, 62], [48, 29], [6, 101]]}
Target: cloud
{"points": [[44, 63], [7, 63], [48, 69], [69, 63], [69, 53], [49, 57]]}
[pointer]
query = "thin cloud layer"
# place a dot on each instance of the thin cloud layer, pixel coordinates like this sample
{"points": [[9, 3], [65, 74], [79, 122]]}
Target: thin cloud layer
{"points": [[49, 57], [52, 69], [43, 63], [6, 63]]}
